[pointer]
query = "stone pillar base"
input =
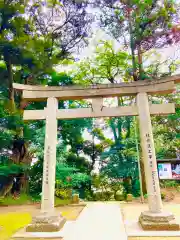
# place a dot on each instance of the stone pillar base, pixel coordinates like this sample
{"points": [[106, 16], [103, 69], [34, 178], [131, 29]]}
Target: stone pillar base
{"points": [[158, 221], [46, 222]]}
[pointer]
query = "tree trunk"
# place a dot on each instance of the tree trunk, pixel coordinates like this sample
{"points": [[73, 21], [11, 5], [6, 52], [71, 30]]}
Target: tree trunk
{"points": [[10, 83], [140, 64], [132, 46], [6, 187]]}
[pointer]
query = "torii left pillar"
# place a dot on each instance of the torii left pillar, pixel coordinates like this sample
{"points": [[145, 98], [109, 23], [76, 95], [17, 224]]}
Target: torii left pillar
{"points": [[48, 220]]}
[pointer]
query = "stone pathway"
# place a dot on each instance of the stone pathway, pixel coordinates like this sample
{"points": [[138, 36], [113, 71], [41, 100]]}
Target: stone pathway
{"points": [[98, 221]]}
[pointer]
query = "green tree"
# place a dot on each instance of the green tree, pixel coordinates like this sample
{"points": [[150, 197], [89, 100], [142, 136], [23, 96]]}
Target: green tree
{"points": [[140, 26], [108, 65]]}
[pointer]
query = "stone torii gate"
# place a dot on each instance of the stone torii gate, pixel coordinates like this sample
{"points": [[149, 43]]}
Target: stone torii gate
{"points": [[155, 218]]}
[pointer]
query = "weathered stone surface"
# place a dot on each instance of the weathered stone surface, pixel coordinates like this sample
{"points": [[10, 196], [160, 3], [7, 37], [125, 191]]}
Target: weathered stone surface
{"points": [[46, 223], [158, 221], [157, 217], [148, 154]]}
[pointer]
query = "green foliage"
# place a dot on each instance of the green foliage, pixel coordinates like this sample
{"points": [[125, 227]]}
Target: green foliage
{"points": [[145, 196], [11, 170], [163, 195], [119, 196], [35, 181], [140, 26], [135, 187], [116, 185], [102, 196], [63, 194], [106, 66], [80, 179], [79, 163], [166, 130], [169, 183]]}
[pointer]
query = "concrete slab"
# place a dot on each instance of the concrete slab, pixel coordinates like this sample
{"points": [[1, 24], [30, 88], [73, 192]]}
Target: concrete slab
{"points": [[22, 234], [99, 221]]}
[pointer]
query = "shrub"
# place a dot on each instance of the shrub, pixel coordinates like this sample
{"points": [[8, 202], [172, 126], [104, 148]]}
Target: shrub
{"points": [[167, 196], [63, 193], [145, 196], [169, 183], [88, 195], [163, 195], [119, 196], [102, 196], [135, 187]]}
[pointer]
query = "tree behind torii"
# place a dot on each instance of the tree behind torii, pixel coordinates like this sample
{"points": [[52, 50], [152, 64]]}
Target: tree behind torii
{"points": [[141, 26]]}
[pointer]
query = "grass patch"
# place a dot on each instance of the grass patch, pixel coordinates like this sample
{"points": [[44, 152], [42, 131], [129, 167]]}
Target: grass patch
{"points": [[11, 222], [10, 201], [25, 199], [60, 202]]}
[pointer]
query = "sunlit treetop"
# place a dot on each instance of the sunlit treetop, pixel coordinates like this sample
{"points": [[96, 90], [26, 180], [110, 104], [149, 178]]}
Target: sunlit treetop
{"points": [[154, 23]]}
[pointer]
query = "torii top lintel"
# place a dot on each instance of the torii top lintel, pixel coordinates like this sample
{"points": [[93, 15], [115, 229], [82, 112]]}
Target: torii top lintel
{"points": [[155, 86]]}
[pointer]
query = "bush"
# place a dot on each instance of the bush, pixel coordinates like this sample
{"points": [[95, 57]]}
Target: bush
{"points": [[88, 195], [119, 196], [63, 193], [163, 195], [167, 195], [135, 187], [145, 196], [102, 196], [169, 183]]}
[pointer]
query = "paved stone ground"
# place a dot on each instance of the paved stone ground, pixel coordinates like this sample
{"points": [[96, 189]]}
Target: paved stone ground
{"points": [[70, 212], [131, 212], [153, 238], [104, 221], [98, 221]]}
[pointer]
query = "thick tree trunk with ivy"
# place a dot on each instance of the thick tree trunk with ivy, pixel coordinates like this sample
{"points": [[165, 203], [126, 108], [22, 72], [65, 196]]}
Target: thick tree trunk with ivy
{"points": [[20, 153]]}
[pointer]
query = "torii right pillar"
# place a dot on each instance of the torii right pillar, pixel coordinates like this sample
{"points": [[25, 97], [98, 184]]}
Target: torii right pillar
{"points": [[155, 218]]}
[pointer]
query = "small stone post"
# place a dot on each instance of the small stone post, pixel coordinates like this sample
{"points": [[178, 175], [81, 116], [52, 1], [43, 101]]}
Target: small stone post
{"points": [[48, 220], [155, 218]]}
